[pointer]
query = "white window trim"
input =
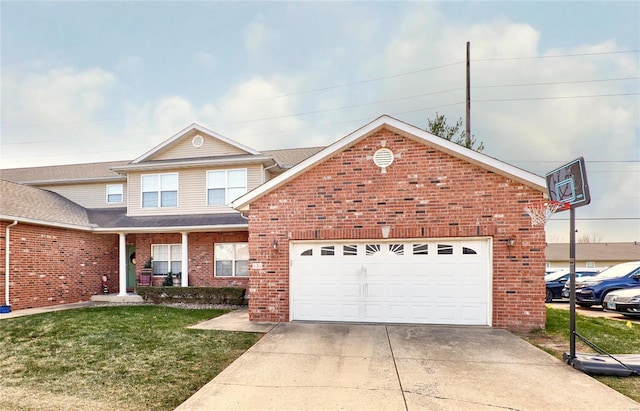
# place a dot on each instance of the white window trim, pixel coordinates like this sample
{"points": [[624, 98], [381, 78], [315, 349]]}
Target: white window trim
{"points": [[169, 261], [227, 201], [160, 190], [233, 265], [121, 186]]}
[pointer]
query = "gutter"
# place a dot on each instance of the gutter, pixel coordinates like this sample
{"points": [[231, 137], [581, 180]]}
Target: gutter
{"points": [[6, 308]]}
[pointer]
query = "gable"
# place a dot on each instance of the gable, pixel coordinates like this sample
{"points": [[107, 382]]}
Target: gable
{"points": [[195, 142], [404, 130]]}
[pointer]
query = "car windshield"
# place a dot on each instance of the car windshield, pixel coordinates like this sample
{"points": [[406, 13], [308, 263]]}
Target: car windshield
{"points": [[555, 276], [617, 271]]}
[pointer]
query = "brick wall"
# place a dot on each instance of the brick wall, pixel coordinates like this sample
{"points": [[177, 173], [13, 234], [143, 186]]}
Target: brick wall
{"points": [[424, 194], [50, 266], [201, 255]]}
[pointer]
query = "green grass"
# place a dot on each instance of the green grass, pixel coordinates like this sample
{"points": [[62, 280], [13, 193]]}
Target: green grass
{"points": [[131, 357], [613, 336]]}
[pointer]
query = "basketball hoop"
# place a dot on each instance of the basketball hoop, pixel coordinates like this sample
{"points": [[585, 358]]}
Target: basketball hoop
{"points": [[541, 212]]}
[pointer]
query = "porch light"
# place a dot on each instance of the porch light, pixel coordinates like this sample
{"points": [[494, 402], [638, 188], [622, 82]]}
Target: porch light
{"points": [[274, 244]]}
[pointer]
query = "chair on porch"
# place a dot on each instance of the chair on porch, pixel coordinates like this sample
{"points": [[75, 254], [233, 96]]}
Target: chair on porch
{"points": [[144, 279]]}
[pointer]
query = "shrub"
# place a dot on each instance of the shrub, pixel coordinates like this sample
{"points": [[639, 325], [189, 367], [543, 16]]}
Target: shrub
{"points": [[198, 295]]}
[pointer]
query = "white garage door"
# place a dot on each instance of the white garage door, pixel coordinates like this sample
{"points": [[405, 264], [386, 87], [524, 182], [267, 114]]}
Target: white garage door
{"points": [[421, 282]]}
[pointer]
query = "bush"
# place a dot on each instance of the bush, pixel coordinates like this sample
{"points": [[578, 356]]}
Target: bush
{"points": [[198, 295]]}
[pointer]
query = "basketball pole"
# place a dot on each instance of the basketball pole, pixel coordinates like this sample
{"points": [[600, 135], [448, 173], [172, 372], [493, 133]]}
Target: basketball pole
{"points": [[572, 279]]}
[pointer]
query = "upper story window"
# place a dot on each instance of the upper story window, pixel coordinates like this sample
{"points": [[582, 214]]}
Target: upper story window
{"points": [[160, 190], [114, 193], [224, 186]]}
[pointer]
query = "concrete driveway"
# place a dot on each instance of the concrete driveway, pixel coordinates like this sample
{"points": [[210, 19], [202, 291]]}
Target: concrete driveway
{"points": [[320, 366]]}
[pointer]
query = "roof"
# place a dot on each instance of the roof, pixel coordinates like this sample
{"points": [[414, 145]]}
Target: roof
{"points": [[108, 171], [115, 219], [193, 127], [33, 205], [71, 173], [288, 158], [406, 130], [595, 251]]}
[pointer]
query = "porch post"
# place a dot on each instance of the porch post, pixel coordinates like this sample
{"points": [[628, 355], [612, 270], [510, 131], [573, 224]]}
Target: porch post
{"points": [[122, 253], [185, 259]]}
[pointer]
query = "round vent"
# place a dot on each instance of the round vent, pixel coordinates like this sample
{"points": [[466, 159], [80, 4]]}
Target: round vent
{"points": [[383, 158], [197, 141]]}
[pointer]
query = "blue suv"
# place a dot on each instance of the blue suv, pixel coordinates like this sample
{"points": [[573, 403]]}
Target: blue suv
{"points": [[592, 290]]}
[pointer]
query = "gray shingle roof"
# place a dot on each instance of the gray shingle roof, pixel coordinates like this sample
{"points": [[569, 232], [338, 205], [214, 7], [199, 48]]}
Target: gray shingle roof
{"points": [[595, 251], [20, 201], [286, 158], [117, 218], [65, 173], [290, 157]]}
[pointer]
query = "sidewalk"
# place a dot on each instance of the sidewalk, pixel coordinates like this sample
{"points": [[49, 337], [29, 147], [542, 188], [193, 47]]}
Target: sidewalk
{"points": [[40, 310]]}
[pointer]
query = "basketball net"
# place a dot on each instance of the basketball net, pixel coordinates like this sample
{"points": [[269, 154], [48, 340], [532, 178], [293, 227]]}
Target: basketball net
{"points": [[541, 212]]}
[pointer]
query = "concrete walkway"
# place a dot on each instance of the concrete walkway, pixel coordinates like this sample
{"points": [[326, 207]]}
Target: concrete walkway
{"points": [[237, 320], [40, 310], [320, 366]]}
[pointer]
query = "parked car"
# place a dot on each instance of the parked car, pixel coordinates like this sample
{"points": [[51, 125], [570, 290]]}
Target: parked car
{"points": [[555, 281], [625, 302], [592, 290]]}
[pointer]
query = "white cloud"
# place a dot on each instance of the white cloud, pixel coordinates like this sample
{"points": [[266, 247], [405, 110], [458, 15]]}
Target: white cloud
{"points": [[51, 113]]}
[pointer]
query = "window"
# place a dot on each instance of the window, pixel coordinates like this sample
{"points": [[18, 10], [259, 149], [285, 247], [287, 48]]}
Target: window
{"points": [[420, 249], [590, 264], [224, 186], [349, 250], [231, 259], [467, 250], [396, 249], [445, 249], [160, 190], [372, 249], [114, 193], [166, 257], [327, 250]]}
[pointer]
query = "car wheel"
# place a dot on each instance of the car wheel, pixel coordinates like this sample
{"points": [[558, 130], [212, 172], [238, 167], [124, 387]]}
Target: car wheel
{"points": [[549, 296]]}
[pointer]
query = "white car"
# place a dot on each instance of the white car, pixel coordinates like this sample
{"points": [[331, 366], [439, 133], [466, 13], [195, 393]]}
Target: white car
{"points": [[625, 302]]}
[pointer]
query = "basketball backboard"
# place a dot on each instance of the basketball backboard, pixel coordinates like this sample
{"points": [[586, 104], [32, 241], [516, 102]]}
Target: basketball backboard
{"points": [[568, 184]]}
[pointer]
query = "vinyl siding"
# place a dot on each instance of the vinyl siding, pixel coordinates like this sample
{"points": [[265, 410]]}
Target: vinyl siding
{"points": [[192, 192], [184, 149], [88, 195]]}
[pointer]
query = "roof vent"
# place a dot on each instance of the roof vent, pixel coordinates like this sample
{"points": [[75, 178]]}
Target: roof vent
{"points": [[197, 141], [383, 158]]}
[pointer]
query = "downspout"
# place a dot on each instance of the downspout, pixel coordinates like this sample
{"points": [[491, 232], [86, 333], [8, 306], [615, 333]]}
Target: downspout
{"points": [[6, 264]]}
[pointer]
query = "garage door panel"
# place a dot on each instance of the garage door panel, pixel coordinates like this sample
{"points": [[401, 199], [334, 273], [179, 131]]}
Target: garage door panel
{"points": [[443, 282]]}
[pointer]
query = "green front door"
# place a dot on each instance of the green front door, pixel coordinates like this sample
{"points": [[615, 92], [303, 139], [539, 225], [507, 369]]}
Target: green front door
{"points": [[131, 266]]}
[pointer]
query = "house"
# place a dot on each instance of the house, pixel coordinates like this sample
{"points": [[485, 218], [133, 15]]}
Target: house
{"points": [[592, 255], [388, 224]]}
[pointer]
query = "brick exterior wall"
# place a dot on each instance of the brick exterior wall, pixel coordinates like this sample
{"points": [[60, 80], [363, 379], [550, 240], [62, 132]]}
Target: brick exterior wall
{"points": [[424, 194], [201, 255], [51, 266]]}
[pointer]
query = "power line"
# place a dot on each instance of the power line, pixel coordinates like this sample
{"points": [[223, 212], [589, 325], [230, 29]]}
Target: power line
{"points": [[558, 55], [556, 83]]}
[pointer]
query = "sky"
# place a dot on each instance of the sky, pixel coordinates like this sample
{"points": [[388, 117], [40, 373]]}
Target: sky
{"points": [[550, 82]]}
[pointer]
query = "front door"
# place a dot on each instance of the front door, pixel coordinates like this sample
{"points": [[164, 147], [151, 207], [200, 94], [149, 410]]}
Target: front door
{"points": [[131, 266]]}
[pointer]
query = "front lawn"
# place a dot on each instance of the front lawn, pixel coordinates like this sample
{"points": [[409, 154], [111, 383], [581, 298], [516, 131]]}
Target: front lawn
{"points": [[107, 358], [613, 336]]}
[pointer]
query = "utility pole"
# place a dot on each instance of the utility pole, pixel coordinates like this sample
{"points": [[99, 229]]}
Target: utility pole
{"points": [[468, 110]]}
